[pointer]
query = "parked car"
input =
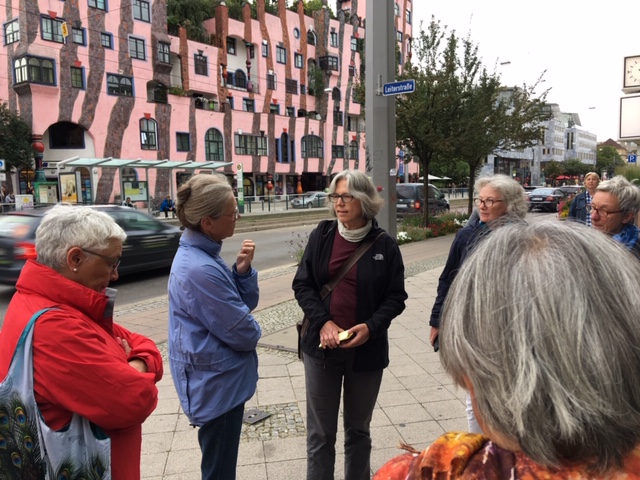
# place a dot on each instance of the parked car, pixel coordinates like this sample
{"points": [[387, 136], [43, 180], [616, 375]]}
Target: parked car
{"points": [[310, 200], [150, 243], [546, 199], [411, 199], [528, 189]]}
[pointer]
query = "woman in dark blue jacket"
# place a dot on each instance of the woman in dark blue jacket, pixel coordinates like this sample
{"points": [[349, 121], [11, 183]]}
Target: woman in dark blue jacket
{"points": [[363, 303], [500, 200]]}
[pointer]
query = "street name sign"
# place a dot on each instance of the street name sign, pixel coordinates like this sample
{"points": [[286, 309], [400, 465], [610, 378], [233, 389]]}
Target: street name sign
{"points": [[399, 88]]}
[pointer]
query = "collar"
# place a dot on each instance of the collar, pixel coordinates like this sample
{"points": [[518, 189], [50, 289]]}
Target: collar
{"points": [[194, 238], [43, 281]]}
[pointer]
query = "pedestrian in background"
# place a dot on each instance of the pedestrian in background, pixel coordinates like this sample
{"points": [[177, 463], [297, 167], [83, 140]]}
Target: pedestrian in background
{"points": [[500, 200], [579, 204], [614, 209], [128, 203], [212, 334], [167, 206], [83, 362], [369, 296]]}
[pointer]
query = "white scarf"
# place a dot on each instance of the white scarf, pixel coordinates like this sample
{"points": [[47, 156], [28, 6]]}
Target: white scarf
{"points": [[355, 235]]}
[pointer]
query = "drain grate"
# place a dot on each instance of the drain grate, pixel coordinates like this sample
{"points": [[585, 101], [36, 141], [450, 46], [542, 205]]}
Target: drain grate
{"points": [[254, 416], [283, 420]]}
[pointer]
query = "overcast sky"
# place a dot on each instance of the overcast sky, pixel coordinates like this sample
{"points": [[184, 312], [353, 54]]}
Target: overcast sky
{"points": [[581, 45]]}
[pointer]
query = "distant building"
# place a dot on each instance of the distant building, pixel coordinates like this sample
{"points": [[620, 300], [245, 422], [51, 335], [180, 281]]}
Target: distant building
{"points": [[274, 94], [561, 139]]}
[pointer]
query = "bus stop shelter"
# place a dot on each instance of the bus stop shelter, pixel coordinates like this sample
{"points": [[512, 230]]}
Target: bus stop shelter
{"points": [[92, 164]]}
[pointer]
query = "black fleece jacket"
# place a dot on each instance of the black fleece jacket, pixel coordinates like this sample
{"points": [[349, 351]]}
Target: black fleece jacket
{"points": [[380, 292]]}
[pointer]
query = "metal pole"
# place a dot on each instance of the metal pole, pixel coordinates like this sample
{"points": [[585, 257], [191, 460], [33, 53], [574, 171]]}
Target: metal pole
{"points": [[380, 110]]}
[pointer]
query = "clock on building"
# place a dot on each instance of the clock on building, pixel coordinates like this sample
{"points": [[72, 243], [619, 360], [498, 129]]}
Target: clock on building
{"points": [[632, 73]]}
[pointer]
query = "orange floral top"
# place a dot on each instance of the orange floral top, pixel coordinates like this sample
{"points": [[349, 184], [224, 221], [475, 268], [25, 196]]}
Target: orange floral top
{"points": [[468, 456]]}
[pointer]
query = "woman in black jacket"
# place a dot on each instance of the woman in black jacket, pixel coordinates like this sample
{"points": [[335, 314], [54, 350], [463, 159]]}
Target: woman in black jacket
{"points": [[363, 304]]}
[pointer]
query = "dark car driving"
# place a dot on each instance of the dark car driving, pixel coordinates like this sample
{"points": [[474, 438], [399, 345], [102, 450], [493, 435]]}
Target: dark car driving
{"points": [[150, 243], [546, 199], [411, 199]]}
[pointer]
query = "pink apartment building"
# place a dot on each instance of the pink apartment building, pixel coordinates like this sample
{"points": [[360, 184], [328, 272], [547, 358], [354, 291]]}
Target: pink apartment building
{"points": [[274, 94]]}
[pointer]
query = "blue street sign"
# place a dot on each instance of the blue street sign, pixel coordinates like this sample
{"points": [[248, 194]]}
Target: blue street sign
{"points": [[399, 88], [632, 159]]}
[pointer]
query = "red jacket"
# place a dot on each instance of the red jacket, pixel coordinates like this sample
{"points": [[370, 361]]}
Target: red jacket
{"points": [[79, 366]]}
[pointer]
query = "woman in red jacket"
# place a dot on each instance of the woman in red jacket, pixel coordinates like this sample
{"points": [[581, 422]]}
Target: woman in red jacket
{"points": [[82, 362]]}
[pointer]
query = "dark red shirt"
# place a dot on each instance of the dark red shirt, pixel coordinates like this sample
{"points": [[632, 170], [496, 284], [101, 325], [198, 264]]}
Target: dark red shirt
{"points": [[343, 297]]}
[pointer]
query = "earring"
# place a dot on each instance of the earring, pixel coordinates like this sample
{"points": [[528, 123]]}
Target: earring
{"points": [[75, 269]]}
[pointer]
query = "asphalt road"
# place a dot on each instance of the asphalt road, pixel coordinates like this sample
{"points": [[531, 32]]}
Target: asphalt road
{"points": [[274, 248]]}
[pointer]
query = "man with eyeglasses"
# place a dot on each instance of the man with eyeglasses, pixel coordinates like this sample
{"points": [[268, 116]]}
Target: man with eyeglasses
{"points": [[614, 209]]}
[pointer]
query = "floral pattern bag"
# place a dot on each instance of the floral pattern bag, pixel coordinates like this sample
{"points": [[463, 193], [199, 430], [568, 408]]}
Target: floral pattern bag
{"points": [[28, 447]]}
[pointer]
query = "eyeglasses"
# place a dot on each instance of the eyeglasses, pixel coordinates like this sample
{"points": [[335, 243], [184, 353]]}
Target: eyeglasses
{"points": [[487, 202], [345, 197], [235, 215], [601, 211], [113, 262]]}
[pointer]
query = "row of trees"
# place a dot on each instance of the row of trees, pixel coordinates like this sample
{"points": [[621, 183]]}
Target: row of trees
{"points": [[460, 112], [608, 160]]}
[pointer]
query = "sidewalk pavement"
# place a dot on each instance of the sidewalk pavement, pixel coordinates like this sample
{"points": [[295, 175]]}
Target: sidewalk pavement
{"points": [[416, 404]]}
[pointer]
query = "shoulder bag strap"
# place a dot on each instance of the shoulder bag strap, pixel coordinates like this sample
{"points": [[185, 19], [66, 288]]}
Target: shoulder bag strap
{"points": [[355, 256]]}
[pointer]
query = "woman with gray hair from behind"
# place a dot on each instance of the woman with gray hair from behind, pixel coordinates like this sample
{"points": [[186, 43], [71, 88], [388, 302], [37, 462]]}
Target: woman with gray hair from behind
{"points": [[549, 355], [500, 200], [613, 210]]}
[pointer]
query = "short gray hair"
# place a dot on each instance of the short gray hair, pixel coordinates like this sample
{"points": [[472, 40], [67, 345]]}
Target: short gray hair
{"points": [[627, 193], [202, 196], [551, 350], [66, 226], [511, 191], [362, 188]]}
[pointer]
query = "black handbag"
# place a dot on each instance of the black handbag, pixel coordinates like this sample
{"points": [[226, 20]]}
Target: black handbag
{"points": [[303, 325]]}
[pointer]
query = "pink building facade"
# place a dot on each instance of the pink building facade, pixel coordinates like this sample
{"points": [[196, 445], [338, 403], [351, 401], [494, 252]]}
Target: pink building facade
{"points": [[274, 95]]}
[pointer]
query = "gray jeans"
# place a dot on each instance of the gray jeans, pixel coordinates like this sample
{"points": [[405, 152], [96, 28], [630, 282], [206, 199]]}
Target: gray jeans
{"points": [[324, 381]]}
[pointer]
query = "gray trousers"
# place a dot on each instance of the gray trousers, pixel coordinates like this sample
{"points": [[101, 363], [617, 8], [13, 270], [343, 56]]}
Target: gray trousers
{"points": [[324, 382]]}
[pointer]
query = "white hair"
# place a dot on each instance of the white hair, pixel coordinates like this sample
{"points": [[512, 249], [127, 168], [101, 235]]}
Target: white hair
{"points": [[542, 320], [64, 227], [512, 193], [627, 194], [362, 188]]}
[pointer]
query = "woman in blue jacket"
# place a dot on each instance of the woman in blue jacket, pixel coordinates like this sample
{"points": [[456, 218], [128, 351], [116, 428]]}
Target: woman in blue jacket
{"points": [[582, 201], [212, 334], [363, 303]]}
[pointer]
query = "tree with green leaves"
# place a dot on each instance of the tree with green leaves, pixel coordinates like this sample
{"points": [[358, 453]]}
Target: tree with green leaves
{"points": [[608, 160], [553, 169], [575, 167], [424, 118], [15, 141], [459, 111]]}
